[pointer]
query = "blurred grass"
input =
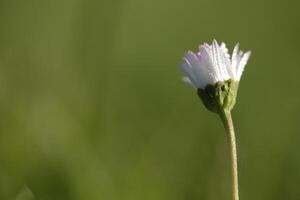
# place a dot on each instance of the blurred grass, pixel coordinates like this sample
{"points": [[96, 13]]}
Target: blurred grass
{"points": [[92, 105]]}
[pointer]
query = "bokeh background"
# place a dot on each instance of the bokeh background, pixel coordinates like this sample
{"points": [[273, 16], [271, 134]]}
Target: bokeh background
{"points": [[92, 106]]}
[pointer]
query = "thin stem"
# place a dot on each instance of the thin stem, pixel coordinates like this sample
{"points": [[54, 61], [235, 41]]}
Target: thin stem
{"points": [[228, 124]]}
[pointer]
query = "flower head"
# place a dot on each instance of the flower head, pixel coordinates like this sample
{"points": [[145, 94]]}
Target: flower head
{"points": [[212, 64], [214, 74]]}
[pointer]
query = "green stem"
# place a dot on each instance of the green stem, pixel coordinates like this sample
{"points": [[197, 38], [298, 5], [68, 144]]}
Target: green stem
{"points": [[228, 125]]}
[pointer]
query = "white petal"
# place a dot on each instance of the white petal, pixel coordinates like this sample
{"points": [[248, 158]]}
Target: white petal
{"points": [[216, 63], [220, 61], [226, 61], [187, 70], [205, 59], [235, 59], [242, 64], [241, 53], [225, 50], [199, 71], [188, 81]]}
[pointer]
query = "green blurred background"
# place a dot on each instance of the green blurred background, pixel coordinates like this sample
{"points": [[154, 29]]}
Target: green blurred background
{"points": [[93, 107]]}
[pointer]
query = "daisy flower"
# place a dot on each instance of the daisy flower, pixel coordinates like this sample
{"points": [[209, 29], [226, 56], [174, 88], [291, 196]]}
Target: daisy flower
{"points": [[212, 64]]}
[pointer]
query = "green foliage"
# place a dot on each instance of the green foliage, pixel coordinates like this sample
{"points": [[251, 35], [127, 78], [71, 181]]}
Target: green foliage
{"points": [[92, 106]]}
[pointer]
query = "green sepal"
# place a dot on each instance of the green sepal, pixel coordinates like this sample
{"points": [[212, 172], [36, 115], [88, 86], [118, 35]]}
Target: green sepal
{"points": [[220, 96]]}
